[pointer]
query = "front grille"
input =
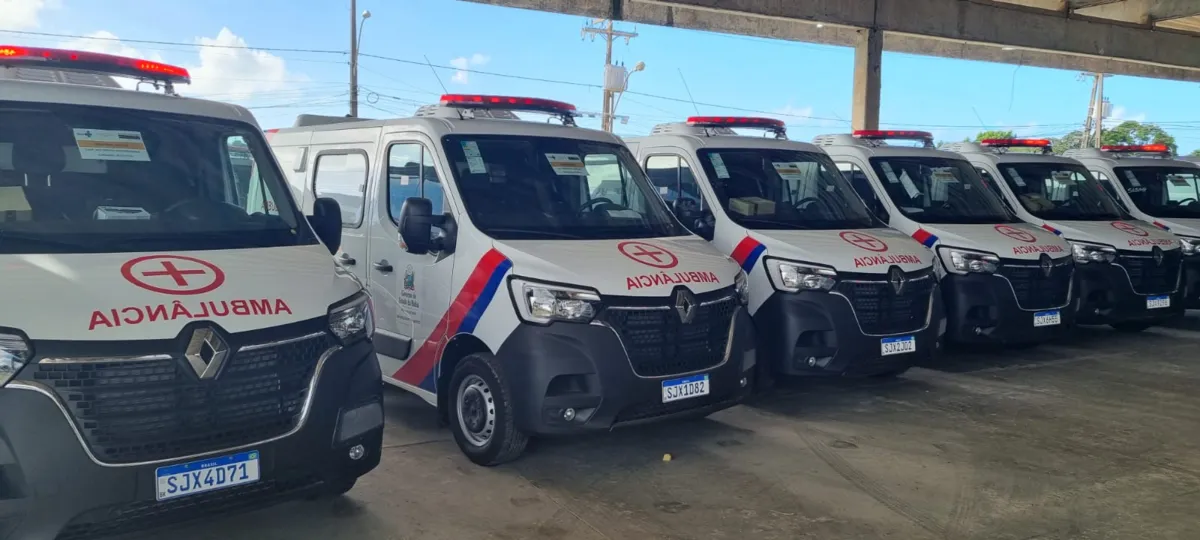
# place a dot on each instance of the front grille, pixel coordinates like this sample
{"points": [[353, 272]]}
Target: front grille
{"points": [[880, 311], [151, 514], [1033, 288], [1148, 276], [659, 344], [135, 411]]}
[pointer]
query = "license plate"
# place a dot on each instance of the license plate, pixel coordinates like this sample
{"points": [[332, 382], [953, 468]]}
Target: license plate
{"points": [[206, 475], [898, 345], [1047, 318], [685, 388], [1158, 302]]}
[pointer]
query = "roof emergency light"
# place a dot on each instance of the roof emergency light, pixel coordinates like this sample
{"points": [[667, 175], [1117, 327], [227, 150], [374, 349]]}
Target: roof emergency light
{"points": [[564, 111], [1044, 144], [39, 57], [896, 134], [770, 124], [1157, 148]]}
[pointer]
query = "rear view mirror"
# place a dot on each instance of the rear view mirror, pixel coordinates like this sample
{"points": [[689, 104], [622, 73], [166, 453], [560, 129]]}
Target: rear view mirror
{"points": [[326, 221], [416, 225]]}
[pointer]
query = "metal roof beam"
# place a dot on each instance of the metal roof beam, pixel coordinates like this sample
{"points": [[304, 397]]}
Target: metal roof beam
{"points": [[1142, 11]]}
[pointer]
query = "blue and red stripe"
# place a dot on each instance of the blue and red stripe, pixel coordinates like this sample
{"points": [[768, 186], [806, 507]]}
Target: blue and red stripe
{"points": [[1051, 229], [462, 317], [1161, 226], [925, 237], [747, 253]]}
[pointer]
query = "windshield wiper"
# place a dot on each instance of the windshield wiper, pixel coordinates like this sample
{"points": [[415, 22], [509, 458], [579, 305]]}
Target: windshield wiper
{"points": [[535, 232], [7, 236]]}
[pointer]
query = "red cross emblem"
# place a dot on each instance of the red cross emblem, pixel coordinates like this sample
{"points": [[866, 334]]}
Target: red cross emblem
{"points": [[1016, 234], [864, 241], [173, 274], [648, 254], [1129, 228]]}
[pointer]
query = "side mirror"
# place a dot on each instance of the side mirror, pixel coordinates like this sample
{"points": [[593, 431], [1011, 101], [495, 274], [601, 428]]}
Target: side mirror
{"points": [[416, 225], [326, 221]]}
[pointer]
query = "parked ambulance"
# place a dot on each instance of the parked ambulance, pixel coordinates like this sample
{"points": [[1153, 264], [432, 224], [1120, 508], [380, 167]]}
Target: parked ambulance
{"points": [[173, 341], [832, 290], [1003, 281], [527, 278], [1127, 271]]}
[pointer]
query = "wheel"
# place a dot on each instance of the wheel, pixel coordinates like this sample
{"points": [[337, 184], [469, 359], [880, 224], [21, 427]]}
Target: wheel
{"points": [[1131, 327], [481, 412]]}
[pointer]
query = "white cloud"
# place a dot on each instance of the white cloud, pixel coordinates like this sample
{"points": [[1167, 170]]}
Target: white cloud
{"points": [[23, 14], [1121, 114], [464, 63]]}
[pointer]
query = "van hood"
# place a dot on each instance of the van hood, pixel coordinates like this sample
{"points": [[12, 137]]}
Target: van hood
{"points": [[1006, 240], [145, 296], [1128, 235], [870, 251], [650, 267], [1181, 226]]}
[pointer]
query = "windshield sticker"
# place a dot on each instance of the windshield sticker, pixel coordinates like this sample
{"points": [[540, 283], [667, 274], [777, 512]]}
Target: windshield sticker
{"points": [[789, 171], [889, 173], [1016, 177], [1177, 180], [1133, 181], [12, 199], [108, 145], [566, 164], [107, 213], [664, 190], [909, 187], [474, 158], [719, 165]]}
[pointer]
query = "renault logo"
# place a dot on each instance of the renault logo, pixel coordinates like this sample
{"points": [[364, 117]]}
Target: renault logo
{"points": [[206, 351], [1047, 265], [896, 278], [1158, 255], [685, 305]]}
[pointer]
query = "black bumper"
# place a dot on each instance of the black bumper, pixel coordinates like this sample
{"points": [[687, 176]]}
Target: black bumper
{"points": [[982, 308], [817, 333], [1191, 280], [50, 488], [585, 367], [1107, 297]]}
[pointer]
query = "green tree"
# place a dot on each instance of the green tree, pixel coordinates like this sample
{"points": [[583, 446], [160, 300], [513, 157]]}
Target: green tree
{"points": [[1067, 142], [1195, 153], [1133, 132], [994, 134]]}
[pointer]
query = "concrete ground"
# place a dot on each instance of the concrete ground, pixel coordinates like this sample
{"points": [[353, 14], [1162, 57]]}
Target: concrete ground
{"points": [[1096, 437]]}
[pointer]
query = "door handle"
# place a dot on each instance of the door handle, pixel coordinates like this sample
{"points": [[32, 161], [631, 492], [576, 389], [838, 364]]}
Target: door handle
{"points": [[383, 266], [347, 260]]}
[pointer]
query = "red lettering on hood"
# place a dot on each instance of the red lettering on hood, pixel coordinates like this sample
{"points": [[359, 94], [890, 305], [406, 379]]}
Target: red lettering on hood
{"points": [[1151, 242], [669, 278], [1027, 250], [135, 315], [876, 260]]}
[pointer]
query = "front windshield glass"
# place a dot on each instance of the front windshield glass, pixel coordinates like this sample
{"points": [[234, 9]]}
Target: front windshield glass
{"points": [[783, 189], [1059, 191], [85, 179], [517, 187], [930, 189], [1169, 192]]}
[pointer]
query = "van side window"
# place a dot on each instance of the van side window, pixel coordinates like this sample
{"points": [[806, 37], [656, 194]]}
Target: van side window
{"points": [[1109, 188], [862, 185], [673, 179], [249, 191], [411, 173], [343, 177], [431, 185]]}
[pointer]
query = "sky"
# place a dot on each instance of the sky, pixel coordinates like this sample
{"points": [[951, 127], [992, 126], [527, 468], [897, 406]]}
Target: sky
{"points": [[281, 58]]}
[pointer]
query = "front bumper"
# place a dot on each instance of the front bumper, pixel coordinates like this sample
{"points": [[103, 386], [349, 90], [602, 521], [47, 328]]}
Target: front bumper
{"points": [[982, 308], [817, 333], [1191, 280], [1107, 297], [51, 487], [585, 367]]}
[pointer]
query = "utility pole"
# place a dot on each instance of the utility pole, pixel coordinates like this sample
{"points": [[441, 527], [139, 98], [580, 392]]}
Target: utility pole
{"points": [[1093, 127], [1085, 136], [353, 58], [604, 28], [1099, 112]]}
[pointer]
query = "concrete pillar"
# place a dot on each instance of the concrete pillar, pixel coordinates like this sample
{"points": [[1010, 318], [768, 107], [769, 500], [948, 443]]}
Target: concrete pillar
{"points": [[868, 59]]}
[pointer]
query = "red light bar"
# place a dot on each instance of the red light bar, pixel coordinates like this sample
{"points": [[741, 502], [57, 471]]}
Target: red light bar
{"points": [[509, 103], [892, 134], [1142, 148], [1017, 143], [11, 55], [737, 121]]}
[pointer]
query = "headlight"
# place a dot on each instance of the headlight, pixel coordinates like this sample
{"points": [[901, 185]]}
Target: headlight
{"points": [[961, 261], [742, 287], [14, 354], [795, 277], [1189, 245], [540, 303], [1086, 253], [353, 319]]}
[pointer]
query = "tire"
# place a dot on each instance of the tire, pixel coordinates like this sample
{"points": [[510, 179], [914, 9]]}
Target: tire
{"points": [[481, 412], [1131, 327]]}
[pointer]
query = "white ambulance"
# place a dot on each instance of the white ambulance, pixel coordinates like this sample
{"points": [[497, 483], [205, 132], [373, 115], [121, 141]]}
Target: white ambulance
{"points": [[174, 341], [1127, 271], [1156, 188], [832, 290], [527, 278], [1002, 281]]}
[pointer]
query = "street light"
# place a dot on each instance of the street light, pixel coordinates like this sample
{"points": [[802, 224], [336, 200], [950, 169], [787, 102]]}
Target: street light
{"points": [[641, 66]]}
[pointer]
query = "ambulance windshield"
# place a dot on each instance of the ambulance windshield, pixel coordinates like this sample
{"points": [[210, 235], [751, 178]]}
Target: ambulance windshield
{"points": [[85, 179], [930, 189], [1059, 191], [1168, 192], [783, 189], [543, 188]]}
